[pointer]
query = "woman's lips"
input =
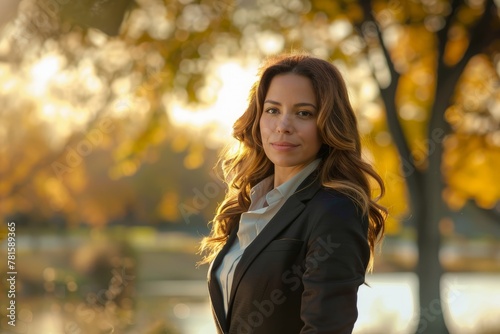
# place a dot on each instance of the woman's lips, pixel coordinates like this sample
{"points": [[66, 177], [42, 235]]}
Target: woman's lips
{"points": [[283, 146]]}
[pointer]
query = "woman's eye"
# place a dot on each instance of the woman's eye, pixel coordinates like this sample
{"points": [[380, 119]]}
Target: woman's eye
{"points": [[272, 111], [305, 113]]}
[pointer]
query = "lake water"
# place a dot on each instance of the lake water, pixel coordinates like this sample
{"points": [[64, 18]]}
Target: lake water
{"points": [[471, 302]]}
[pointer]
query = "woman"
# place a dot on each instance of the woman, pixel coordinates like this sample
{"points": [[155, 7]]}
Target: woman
{"points": [[295, 234]]}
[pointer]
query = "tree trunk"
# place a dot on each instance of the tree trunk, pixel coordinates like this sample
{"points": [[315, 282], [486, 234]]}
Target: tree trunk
{"points": [[429, 270], [425, 187]]}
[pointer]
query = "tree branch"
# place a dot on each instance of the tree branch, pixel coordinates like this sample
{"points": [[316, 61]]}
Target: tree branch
{"points": [[44, 163], [447, 77], [442, 35], [412, 175], [480, 35]]}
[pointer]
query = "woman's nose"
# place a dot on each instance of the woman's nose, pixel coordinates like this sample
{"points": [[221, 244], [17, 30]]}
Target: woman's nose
{"points": [[284, 125]]}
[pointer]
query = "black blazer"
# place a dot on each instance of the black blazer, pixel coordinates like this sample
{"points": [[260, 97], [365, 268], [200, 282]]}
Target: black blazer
{"points": [[302, 272]]}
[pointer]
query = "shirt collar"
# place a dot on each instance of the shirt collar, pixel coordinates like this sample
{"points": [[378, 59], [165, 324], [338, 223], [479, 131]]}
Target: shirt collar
{"points": [[284, 190], [288, 188], [261, 188]]}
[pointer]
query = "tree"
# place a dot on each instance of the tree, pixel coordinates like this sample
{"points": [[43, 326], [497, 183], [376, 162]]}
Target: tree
{"points": [[426, 186], [114, 88]]}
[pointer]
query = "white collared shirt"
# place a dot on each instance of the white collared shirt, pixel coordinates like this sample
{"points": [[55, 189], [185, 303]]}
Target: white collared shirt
{"points": [[255, 219]]}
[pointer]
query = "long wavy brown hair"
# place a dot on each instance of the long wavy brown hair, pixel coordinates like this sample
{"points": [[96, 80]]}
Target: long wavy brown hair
{"points": [[342, 167]]}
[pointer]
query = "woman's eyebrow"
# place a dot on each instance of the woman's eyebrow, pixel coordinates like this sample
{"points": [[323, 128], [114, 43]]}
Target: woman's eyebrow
{"points": [[301, 104]]}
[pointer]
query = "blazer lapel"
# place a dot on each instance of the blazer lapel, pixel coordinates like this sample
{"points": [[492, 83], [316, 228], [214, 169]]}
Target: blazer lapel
{"points": [[285, 216], [213, 285]]}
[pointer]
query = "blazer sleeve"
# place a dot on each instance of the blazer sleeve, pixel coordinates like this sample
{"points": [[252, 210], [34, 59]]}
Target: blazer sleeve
{"points": [[336, 260]]}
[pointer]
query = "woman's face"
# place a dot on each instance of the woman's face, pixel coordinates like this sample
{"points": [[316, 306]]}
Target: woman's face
{"points": [[288, 123]]}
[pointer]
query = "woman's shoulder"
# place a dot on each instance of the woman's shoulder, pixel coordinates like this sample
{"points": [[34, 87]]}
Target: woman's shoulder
{"points": [[332, 211], [330, 195], [328, 200]]}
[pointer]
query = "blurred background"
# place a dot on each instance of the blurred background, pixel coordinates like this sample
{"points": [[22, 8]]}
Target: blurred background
{"points": [[113, 113]]}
